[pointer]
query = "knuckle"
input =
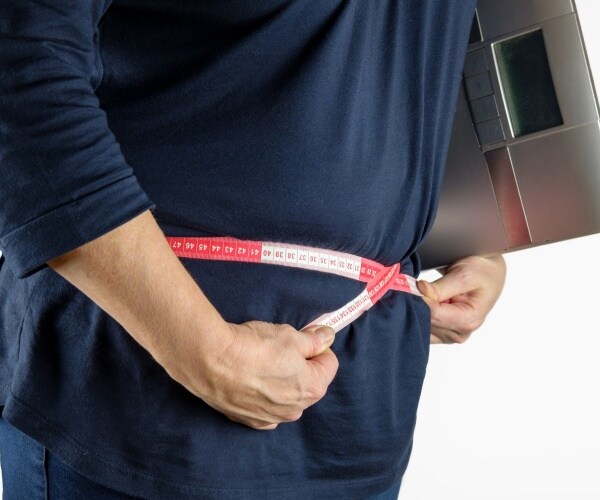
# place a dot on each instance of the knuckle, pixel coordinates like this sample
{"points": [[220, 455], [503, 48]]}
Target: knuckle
{"points": [[473, 323], [315, 392], [260, 425], [249, 422], [460, 339], [475, 261], [434, 318], [289, 402], [268, 427], [288, 343], [288, 330], [465, 275], [292, 416]]}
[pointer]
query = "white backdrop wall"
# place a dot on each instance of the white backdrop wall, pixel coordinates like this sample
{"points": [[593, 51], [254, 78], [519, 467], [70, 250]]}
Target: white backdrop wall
{"points": [[514, 413]]}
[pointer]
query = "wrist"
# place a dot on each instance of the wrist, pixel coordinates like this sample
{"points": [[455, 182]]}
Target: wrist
{"points": [[133, 275]]}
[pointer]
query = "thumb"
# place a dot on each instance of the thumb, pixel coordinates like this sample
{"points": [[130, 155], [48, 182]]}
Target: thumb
{"points": [[452, 284], [428, 290], [315, 340]]}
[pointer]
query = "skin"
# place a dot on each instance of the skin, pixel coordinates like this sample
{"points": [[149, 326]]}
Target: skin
{"points": [[258, 374], [461, 299]]}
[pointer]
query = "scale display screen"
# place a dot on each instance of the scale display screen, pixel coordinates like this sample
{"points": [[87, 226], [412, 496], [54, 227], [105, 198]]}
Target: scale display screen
{"points": [[527, 83]]}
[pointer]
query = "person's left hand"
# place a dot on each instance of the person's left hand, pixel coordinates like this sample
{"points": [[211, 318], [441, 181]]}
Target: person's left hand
{"points": [[461, 299]]}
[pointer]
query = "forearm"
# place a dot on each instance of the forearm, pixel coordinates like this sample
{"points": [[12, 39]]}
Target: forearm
{"points": [[133, 275]]}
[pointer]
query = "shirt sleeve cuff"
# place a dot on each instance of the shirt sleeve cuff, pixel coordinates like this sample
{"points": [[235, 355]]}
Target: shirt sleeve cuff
{"points": [[29, 247]]}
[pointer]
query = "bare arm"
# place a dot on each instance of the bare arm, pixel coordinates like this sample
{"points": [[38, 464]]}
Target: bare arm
{"points": [[256, 373]]}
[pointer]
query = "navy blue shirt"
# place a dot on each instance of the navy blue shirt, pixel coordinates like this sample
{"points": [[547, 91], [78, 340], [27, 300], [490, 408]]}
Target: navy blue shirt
{"points": [[323, 123]]}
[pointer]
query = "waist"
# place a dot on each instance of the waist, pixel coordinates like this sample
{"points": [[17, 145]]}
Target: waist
{"points": [[378, 278]]}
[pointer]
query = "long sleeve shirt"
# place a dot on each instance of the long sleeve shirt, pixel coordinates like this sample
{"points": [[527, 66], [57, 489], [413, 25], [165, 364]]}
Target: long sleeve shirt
{"points": [[323, 123]]}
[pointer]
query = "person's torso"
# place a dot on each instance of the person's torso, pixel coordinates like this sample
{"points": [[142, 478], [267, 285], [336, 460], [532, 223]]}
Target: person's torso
{"points": [[323, 123]]}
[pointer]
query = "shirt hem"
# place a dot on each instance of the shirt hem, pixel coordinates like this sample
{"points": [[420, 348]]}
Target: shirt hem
{"points": [[112, 474]]}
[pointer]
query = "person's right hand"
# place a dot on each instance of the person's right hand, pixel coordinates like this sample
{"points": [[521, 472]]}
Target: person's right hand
{"points": [[256, 373], [265, 374]]}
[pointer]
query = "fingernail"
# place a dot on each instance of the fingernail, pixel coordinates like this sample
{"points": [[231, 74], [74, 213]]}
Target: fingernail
{"points": [[326, 334], [427, 289]]}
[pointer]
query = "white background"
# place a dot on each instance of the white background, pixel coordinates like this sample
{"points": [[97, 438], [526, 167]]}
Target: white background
{"points": [[514, 413]]}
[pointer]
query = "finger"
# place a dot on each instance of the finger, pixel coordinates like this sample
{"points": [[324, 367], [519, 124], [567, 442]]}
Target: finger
{"points": [[434, 339], [315, 340], [459, 279], [266, 427], [259, 425], [445, 336], [429, 292], [321, 372], [461, 317], [447, 287]]}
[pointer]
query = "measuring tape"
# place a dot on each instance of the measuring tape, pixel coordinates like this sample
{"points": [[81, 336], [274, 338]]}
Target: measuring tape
{"points": [[378, 278]]}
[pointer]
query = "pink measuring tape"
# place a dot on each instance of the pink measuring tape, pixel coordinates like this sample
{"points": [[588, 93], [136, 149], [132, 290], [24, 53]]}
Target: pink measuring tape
{"points": [[378, 278]]}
